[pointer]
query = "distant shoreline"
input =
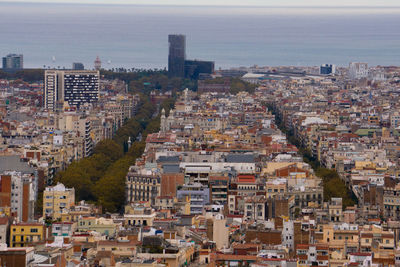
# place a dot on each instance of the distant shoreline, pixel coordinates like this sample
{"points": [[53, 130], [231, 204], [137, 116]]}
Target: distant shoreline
{"points": [[204, 6], [135, 36]]}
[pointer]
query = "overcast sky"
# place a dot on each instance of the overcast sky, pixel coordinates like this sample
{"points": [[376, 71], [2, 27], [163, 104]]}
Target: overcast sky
{"points": [[302, 3]]}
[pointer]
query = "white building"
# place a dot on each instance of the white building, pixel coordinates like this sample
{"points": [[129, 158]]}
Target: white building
{"points": [[358, 70], [288, 234], [63, 229]]}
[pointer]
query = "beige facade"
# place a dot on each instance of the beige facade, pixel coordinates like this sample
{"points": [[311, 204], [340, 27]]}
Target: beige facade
{"points": [[56, 200], [220, 233]]}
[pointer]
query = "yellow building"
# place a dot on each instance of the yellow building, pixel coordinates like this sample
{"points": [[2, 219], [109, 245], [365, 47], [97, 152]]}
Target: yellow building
{"points": [[24, 234], [56, 200], [101, 225], [340, 237], [374, 238], [139, 214]]}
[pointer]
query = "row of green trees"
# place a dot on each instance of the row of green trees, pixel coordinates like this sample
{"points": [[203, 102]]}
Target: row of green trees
{"points": [[145, 81], [237, 85], [139, 80], [100, 178], [27, 75], [333, 185]]}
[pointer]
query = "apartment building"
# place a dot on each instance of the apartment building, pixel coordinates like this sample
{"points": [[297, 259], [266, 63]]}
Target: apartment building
{"points": [[57, 200]]}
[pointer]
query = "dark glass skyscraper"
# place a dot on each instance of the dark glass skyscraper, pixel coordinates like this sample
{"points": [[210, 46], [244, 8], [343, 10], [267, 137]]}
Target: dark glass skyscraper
{"points": [[77, 66], [13, 62], [177, 55]]}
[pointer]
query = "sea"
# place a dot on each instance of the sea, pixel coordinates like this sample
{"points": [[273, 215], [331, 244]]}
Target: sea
{"points": [[136, 36]]}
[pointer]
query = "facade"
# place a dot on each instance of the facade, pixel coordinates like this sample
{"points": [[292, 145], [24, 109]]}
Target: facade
{"points": [[255, 208], [63, 229], [57, 200], [52, 93], [101, 225], [23, 234], [391, 202], [15, 257], [80, 87], [276, 187], [139, 215], [219, 189], [312, 255], [327, 69], [358, 70], [198, 194], [19, 186], [13, 62], [165, 202], [142, 187], [335, 210], [193, 68], [341, 236], [177, 55], [17, 195], [303, 197], [76, 87], [169, 183], [220, 232]]}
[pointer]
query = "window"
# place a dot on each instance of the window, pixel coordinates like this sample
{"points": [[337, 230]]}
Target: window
{"points": [[367, 240], [34, 230]]}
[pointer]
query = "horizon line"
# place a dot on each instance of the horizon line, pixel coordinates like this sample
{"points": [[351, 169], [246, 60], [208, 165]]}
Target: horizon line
{"points": [[200, 5]]}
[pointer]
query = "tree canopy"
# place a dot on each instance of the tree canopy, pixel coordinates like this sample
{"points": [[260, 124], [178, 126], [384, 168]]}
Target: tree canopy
{"points": [[100, 178]]}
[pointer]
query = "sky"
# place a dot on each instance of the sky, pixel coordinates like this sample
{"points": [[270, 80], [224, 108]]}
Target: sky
{"points": [[297, 3]]}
